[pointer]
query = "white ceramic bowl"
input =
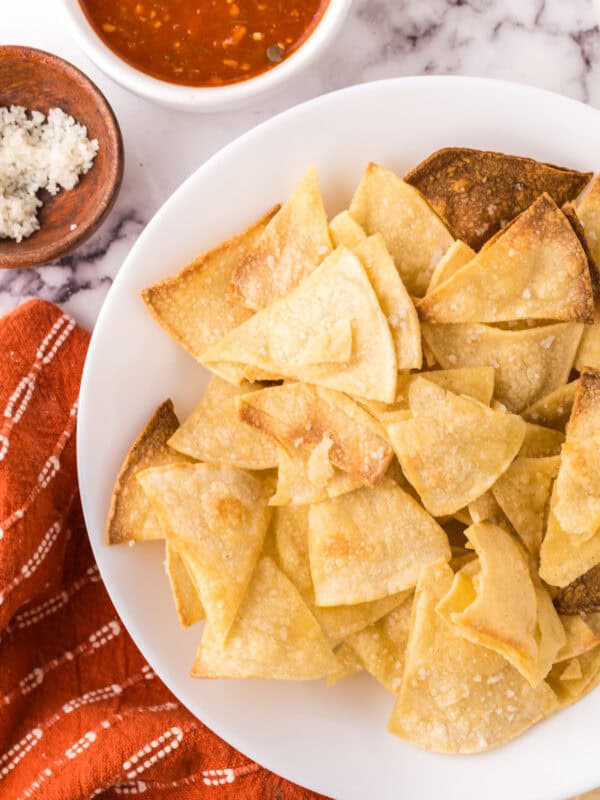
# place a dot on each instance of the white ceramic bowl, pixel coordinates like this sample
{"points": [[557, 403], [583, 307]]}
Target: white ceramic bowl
{"points": [[189, 98]]}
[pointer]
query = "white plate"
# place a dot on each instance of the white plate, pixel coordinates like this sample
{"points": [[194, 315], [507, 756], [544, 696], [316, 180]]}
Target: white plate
{"points": [[331, 740]]}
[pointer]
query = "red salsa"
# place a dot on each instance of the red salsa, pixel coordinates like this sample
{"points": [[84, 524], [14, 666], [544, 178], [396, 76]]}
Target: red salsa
{"points": [[204, 42]]}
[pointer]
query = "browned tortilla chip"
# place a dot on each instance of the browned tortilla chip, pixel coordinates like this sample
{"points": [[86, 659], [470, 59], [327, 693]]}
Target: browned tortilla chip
{"points": [[571, 214], [477, 192], [529, 363], [583, 595], [456, 696], [534, 269], [274, 635], [185, 592], [370, 543], [441, 449], [326, 331], [131, 517], [553, 410], [293, 243], [413, 233], [301, 417], [193, 306], [214, 432], [218, 517]]}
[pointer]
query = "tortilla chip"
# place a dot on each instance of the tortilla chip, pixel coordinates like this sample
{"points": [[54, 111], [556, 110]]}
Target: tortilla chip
{"points": [[300, 417], [580, 638], [585, 416], [588, 211], [494, 602], [381, 647], [485, 508], [294, 242], [413, 233], [456, 696], [540, 442], [440, 449], [553, 410], [529, 363], [370, 544], [218, 517], [535, 269], [395, 301], [588, 354], [348, 664], [477, 192], [583, 595], [305, 481], [291, 555], [193, 306], [523, 493], [279, 338], [455, 257], [572, 681], [564, 557], [346, 231], [274, 635], [131, 518], [214, 432], [185, 592]]}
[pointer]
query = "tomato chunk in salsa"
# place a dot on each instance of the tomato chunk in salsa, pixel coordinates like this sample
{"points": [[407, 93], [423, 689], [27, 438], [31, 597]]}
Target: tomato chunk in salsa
{"points": [[203, 42]]}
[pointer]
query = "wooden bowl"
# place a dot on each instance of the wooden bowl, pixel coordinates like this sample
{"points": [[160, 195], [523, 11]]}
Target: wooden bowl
{"points": [[40, 81]]}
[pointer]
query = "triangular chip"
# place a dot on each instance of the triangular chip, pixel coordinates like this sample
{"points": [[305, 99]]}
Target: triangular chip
{"points": [[535, 269], [495, 602], [346, 230], [477, 191], [218, 517], [455, 257], [301, 481], [540, 442], [523, 493], [194, 306], [131, 518], [185, 592], [395, 301], [581, 596], [348, 664], [214, 431], [381, 647], [290, 525], [300, 417], [440, 450], [456, 696], [572, 681], [278, 338], [294, 242], [588, 211], [274, 635], [413, 233], [529, 363], [553, 410], [580, 637], [369, 544], [588, 354]]}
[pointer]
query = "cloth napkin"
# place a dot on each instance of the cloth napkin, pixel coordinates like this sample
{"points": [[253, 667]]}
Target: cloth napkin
{"points": [[81, 713]]}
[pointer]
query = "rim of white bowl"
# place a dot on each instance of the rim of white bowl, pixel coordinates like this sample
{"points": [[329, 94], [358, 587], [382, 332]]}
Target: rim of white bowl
{"points": [[202, 98]]}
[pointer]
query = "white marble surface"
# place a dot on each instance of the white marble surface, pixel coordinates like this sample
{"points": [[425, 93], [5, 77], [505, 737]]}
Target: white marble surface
{"points": [[550, 43]]}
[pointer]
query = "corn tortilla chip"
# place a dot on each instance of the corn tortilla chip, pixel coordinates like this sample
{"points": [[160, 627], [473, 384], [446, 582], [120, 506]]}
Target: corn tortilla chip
{"points": [[529, 364], [534, 269], [274, 635], [345, 230], [302, 481], [485, 508], [583, 595], [477, 192], [413, 233], [580, 637], [185, 592], [440, 449], [218, 517], [553, 410], [455, 257], [278, 338], [540, 442], [370, 544], [456, 696], [294, 242], [213, 431], [523, 493], [193, 306], [131, 517], [580, 679], [348, 664]]}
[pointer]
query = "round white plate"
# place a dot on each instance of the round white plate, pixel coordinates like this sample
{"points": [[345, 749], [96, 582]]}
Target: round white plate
{"points": [[331, 740]]}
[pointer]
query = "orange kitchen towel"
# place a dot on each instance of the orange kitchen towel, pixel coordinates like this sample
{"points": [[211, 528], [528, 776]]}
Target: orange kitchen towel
{"points": [[81, 713]]}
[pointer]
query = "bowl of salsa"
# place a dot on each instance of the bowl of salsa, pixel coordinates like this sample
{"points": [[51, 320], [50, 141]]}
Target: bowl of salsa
{"points": [[203, 54]]}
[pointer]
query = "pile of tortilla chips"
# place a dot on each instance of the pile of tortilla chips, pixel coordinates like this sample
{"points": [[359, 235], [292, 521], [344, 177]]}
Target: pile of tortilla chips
{"points": [[395, 468]]}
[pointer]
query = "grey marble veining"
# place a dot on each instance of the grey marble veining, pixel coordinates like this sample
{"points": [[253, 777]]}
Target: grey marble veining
{"points": [[554, 44]]}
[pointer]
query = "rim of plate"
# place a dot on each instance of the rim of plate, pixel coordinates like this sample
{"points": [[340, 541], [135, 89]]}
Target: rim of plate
{"points": [[237, 739]]}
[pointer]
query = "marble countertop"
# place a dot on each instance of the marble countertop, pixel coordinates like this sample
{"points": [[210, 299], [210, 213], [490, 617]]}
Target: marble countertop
{"points": [[554, 44]]}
